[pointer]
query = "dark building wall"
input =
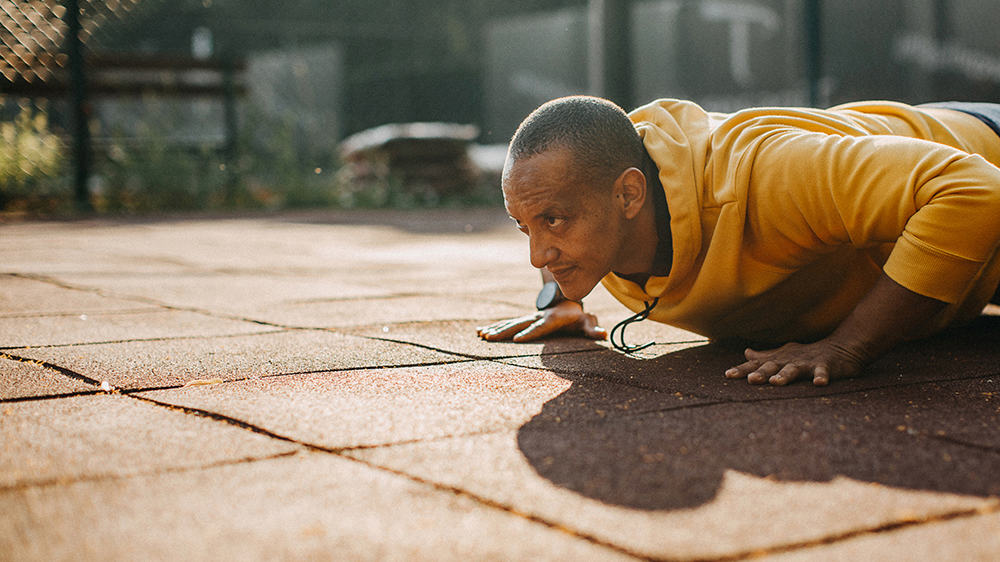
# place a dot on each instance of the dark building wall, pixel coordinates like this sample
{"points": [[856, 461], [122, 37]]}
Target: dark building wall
{"points": [[489, 62]]}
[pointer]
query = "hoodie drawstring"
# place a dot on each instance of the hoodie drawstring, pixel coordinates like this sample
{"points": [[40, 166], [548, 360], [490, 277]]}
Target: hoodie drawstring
{"points": [[619, 328]]}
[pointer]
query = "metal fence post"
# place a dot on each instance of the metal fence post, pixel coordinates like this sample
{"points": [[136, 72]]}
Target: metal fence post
{"points": [[812, 25], [609, 50], [79, 107]]}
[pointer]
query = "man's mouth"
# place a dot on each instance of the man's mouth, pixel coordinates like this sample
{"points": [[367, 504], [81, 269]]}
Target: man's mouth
{"points": [[562, 271]]}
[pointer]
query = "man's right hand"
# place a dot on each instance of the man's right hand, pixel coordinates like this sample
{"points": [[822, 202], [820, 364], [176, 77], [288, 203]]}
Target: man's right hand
{"points": [[566, 318]]}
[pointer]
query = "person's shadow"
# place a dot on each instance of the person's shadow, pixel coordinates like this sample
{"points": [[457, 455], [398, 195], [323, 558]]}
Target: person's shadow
{"points": [[660, 433]]}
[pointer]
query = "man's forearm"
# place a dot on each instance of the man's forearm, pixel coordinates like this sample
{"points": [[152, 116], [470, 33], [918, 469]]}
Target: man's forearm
{"points": [[887, 315]]}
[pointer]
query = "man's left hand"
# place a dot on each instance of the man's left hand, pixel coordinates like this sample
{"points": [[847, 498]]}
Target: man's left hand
{"points": [[823, 361]]}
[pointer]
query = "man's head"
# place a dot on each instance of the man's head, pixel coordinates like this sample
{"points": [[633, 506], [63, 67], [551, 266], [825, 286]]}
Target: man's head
{"points": [[573, 183]]}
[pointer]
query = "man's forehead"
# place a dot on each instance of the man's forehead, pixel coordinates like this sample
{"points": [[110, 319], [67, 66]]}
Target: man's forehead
{"points": [[547, 175], [526, 199]]}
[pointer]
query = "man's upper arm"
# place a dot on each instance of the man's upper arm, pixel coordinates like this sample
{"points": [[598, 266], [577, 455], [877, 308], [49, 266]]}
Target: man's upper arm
{"points": [[939, 206]]}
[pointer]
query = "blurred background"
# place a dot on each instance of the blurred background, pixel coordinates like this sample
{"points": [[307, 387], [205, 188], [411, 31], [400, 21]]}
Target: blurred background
{"points": [[138, 106]]}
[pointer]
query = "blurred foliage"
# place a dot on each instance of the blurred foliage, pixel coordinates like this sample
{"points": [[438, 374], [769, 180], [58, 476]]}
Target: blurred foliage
{"points": [[33, 165], [271, 167], [266, 169]]}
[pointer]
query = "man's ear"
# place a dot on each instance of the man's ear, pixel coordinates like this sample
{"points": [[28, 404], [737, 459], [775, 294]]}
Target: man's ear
{"points": [[630, 188]]}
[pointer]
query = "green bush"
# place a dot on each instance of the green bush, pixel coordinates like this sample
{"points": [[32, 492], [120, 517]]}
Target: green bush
{"points": [[32, 164]]}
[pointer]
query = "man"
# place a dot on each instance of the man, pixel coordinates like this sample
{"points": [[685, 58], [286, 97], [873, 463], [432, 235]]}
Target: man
{"points": [[845, 231]]}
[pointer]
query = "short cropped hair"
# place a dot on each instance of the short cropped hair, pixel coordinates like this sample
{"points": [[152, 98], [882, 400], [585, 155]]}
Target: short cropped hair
{"points": [[596, 131]]}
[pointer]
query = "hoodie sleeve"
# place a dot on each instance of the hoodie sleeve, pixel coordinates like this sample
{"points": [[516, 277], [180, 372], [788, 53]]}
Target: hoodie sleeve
{"points": [[808, 192]]}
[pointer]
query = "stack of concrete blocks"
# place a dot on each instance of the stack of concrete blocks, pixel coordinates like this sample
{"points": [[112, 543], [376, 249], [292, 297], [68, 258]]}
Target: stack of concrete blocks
{"points": [[422, 162]]}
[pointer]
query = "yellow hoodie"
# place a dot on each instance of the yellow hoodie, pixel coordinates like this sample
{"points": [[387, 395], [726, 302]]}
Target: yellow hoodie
{"points": [[782, 219]]}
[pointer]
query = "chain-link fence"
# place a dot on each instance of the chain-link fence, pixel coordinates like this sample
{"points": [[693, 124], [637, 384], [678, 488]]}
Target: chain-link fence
{"points": [[194, 104], [105, 119]]}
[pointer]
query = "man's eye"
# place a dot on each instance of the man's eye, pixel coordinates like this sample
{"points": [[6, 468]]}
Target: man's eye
{"points": [[554, 221]]}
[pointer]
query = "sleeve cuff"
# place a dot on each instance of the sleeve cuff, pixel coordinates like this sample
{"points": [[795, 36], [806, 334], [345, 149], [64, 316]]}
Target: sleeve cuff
{"points": [[929, 271]]}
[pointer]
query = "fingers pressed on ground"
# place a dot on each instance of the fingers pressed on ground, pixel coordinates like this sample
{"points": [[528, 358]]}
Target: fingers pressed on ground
{"points": [[742, 370], [592, 330], [537, 329], [505, 330], [596, 333], [821, 376], [763, 373], [789, 373]]}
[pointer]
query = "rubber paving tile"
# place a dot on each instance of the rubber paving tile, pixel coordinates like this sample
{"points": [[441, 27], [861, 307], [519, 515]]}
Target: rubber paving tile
{"points": [[287, 242], [374, 407], [660, 487], [355, 312], [20, 379], [311, 506], [25, 297], [972, 538], [310, 297], [76, 258], [962, 411], [106, 327], [97, 436], [231, 292], [145, 364]]}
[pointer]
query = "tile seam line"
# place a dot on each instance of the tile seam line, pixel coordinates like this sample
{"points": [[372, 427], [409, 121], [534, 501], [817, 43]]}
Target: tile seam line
{"points": [[154, 339], [128, 391], [119, 312], [343, 453], [59, 369], [297, 373], [43, 397], [993, 506], [148, 301], [50, 482], [338, 451]]}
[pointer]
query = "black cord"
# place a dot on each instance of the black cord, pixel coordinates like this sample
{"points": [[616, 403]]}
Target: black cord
{"points": [[620, 329]]}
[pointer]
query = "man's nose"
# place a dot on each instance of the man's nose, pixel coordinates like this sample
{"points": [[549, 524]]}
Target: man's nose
{"points": [[542, 254]]}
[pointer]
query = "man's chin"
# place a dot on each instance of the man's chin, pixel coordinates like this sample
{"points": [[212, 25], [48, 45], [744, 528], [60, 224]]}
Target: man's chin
{"points": [[575, 290]]}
